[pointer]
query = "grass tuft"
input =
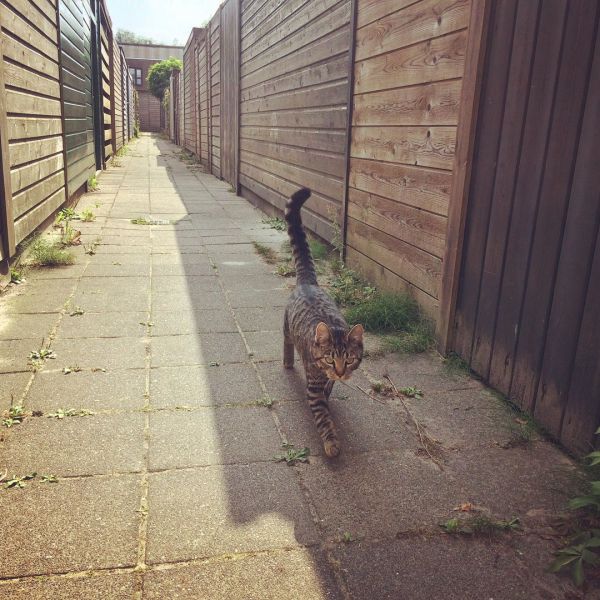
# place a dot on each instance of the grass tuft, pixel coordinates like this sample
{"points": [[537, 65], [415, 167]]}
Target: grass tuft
{"points": [[385, 312], [417, 338], [49, 254], [275, 223], [268, 254]]}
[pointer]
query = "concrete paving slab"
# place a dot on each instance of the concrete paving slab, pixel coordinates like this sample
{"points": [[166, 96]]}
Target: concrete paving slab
{"points": [[23, 303], [115, 586], [66, 272], [118, 269], [265, 345], [111, 390], [447, 567], [19, 327], [198, 349], [211, 436], [255, 299], [105, 325], [225, 509], [12, 388], [14, 355], [380, 494], [363, 425], [200, 321], [109, 302], [185, 283], [119, 286], [111, 443], [283, 384], [189, 300], [72, 525], [291, 574], [260, 319], [204, 385], [106, 353]]}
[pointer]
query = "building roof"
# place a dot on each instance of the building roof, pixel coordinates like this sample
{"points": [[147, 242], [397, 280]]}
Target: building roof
{"points": [[151, 51]]}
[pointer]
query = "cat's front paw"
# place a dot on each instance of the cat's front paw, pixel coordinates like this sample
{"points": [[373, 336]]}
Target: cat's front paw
{"points": [[332, 448]]}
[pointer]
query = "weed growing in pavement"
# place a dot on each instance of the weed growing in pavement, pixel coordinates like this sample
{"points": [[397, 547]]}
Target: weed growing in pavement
{"points": [[17, 276], [87, 215], [275, 223], [14, 416], [18, 481], [92, 184], [480, 525], [268, 254], [62, 413], [265, 401], [292, 455]]}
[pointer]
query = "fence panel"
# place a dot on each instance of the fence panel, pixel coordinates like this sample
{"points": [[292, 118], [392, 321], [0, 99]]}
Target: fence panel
{"points": [[106, 55], [35, 159], [203, 103], [294, 93], [215, 93], [403, 141], [76, 64], [230, 90], [191, 130], [118, 95], [529, 276]]}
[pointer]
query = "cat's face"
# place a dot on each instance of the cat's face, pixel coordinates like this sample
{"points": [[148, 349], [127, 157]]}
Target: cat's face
{"points": [[337, 353]]}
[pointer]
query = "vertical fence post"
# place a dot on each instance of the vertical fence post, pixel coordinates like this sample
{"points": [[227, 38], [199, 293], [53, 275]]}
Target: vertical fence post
{"points": [[349, 111], [7, 226], [461, 173]]}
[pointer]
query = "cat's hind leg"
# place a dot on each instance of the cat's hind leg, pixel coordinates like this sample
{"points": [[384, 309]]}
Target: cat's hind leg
{"points": [[317, 393], [288, 346]]}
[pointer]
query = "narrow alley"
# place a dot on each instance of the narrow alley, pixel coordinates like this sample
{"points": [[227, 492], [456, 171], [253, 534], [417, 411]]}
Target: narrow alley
{"points": [[155, 451]]}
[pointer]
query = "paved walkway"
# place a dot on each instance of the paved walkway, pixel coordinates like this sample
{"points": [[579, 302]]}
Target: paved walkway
{"points": [[169, 489]]}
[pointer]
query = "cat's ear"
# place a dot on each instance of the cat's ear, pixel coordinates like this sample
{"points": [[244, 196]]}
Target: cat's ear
{"points": [[322, 334], [355, 335]]}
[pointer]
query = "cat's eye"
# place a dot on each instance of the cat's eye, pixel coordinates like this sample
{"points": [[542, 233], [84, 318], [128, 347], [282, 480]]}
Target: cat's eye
{"points": [[349, 359], [328, 359]]}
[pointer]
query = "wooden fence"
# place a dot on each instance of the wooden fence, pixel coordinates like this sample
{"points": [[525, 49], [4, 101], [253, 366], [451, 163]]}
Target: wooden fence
{"points": [[62, 114], [449, 142]]}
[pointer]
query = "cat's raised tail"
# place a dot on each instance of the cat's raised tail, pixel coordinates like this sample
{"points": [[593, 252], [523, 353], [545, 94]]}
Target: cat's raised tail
{"points": [[305, 268]]}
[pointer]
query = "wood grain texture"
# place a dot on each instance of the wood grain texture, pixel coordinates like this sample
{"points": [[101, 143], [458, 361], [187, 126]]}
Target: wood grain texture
{"points": [[294, 90], [407, 89], [530, 274], [32, 133]]}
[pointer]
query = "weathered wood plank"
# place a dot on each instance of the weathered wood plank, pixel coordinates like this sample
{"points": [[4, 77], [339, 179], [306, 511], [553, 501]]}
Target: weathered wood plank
{"points": [[333, 117], [434, 60], [18, 77], [414, 186], [388, 280], [421, 21], [431, 104], [21, 177], [412, 264], [419, 228], [20, 53], [420, 146], [23, 152], [21, 103]]}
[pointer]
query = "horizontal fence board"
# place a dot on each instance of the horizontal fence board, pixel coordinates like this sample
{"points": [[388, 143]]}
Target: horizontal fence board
{"points": [[420, 146], [430, 104]]}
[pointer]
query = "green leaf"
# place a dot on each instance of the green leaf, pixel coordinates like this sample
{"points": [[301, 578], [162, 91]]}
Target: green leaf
{"points": [[562, 561], [595, 485], [590, 557], [578, 575], [583, 501]]}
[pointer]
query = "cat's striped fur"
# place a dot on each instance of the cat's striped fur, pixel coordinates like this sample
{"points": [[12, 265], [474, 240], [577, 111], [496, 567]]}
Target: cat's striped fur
{"points": [[314, 326]]}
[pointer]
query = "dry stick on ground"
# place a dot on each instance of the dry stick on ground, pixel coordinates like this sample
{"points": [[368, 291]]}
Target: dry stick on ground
{"points": [[423, 437], [363, 391]]}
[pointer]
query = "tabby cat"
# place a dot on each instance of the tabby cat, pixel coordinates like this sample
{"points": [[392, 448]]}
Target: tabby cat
{"points": [[313, 324]]}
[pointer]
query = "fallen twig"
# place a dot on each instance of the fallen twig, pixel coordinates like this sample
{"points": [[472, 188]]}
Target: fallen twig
{"points": [[360, 389], [423, 437]]}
